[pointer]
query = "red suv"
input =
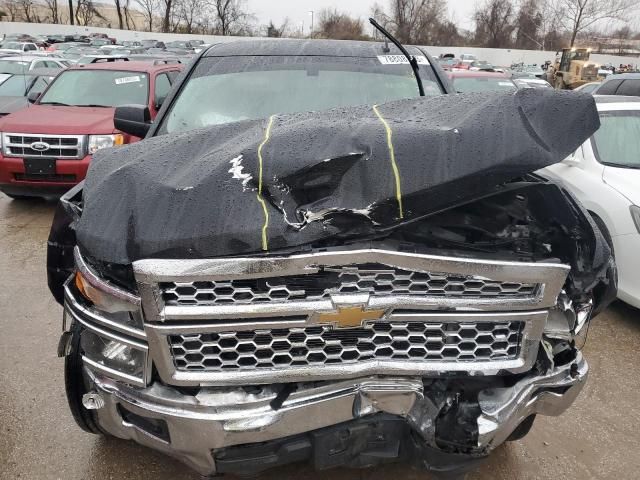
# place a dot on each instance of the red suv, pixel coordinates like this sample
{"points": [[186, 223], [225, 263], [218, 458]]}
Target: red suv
{"points": [[46, 149]]}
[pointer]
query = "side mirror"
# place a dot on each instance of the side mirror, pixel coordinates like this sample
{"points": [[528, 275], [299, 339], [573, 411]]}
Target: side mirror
{"points": [[133, 119], [32, 97]]}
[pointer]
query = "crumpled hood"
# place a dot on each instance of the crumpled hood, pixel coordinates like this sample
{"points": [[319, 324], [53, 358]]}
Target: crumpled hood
{"points": [[305, 179], [60, 120], [625, 181]]}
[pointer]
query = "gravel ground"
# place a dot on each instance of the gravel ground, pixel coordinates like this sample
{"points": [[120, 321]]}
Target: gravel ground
{"points": [[598, 438]]}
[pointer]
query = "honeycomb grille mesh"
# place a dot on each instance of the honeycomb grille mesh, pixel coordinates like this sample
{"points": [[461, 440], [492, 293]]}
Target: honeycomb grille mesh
{"points": [[322, 345], [371, 279]]}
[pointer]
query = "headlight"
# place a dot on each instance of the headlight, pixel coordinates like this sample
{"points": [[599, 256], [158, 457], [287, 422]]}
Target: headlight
{"points": [[102, 294], [107, 353], [97, 142], [635, 214]]}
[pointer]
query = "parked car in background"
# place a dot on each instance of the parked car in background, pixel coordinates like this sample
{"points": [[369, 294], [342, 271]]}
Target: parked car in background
{"points": [[100, 42], [604, 174], [132, 44], [73, 54], [19, 47], [590, 87], [180, 44], [469, 81], [24, 63], [468, 58], [620, 84], [62, 47], [153, 44], [481, 65], [18, 90], [531, 82], [47, 149]]}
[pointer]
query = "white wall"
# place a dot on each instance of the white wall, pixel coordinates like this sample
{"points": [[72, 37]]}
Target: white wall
{"points": [[502, 57]]}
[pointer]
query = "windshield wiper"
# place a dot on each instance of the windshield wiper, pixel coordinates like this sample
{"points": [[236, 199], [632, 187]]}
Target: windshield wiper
{"points": [[412, 60], [57, 104], [94, 105]]}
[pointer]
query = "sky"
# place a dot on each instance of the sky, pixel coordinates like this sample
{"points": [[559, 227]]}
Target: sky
{"points": [[298, 10]]}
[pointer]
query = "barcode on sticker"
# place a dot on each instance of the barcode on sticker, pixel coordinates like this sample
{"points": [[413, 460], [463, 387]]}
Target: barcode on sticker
{"points": [[401, 59], [121, 80]]}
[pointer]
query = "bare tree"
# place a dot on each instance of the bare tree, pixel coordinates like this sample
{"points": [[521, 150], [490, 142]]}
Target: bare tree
{"points": [[86, 13], [230, 16], [28, 10], [192, 13], [12, 9], [168, 12], [339, 26], [578, 15], [119, 13], [418, 21], [52, 7], [495, 23], [528, 23], [278, 32], [149, 9]]}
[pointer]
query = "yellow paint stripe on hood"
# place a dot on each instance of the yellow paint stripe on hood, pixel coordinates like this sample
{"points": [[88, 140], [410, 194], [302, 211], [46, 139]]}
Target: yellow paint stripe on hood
{"points": [[392, 157]]}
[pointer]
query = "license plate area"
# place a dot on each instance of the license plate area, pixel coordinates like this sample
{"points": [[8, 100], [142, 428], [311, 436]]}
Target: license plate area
{"points": [[40, 166]]}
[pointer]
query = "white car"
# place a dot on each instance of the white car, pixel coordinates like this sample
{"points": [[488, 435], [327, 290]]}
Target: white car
{"points": [[604, 174], [19, 47], [20, 64]]}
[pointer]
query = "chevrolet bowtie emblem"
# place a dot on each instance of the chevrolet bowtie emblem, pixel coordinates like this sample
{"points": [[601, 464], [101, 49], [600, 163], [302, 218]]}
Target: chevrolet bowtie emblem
{"points": [[348, 317]]}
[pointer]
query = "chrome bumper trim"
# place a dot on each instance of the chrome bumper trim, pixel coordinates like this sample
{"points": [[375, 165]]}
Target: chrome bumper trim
{"points": [[503, 409], [220, 418]]}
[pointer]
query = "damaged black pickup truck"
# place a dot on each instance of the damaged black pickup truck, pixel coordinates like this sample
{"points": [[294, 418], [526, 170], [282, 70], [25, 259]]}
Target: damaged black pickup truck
{"points": [[306, 262]]}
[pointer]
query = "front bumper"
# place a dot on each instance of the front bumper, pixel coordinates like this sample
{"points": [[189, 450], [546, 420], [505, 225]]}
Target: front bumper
{"points": [[195, 428], [626, 250], [69, 172]]}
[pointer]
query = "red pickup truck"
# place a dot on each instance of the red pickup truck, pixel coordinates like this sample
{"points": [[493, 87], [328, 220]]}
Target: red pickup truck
{"points": [[46, 149]]}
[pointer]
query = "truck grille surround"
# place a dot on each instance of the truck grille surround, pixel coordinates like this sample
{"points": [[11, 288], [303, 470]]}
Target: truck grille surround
{"points": [[35, 145], [342, 314], [370, 279]]}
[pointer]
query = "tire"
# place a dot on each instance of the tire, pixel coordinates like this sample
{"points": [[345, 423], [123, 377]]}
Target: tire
{"points": [[605, 232], [75, 386], [523, 429]]}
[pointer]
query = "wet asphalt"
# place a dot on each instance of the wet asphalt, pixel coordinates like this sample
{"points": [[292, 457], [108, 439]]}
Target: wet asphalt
{"points": [[598, 438]]}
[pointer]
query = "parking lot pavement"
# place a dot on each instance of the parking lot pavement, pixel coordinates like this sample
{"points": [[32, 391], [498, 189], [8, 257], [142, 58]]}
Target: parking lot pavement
{"points": [[599, 438]]}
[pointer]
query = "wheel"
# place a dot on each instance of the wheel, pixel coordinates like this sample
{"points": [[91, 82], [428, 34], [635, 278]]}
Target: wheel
{"points": [[523, 429], [75, 386], [605, 231]]}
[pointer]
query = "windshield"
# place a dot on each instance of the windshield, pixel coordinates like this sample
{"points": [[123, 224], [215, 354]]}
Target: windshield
{"points": [[230, 89], [15, 86], [103, 88], [8, 66], [482, 84], [617, 142]]}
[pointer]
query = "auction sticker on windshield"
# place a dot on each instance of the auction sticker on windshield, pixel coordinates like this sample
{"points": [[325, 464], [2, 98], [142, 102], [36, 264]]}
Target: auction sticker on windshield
{"points": [[400, 59], [121, 80]]}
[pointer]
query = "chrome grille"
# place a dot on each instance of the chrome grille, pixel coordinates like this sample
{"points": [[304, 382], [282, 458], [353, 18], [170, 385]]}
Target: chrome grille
{"points": [[53, 146], [321, 345], [375, 280]]}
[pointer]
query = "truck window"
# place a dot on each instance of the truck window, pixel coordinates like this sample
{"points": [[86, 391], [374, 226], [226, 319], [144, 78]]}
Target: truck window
{"points": [[609, 88], [629, 87], [102, 88], [163, 86], [230, 89]]}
